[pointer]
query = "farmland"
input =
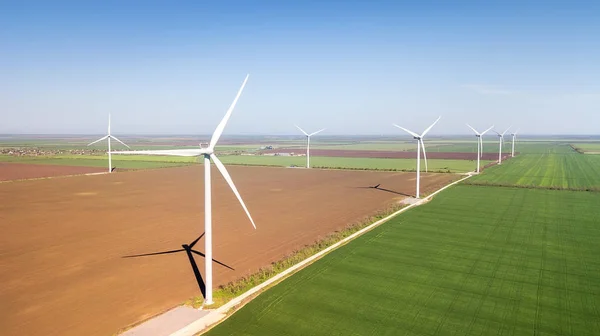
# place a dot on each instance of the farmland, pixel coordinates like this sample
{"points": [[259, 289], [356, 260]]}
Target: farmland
{"points": [[553, 169], [456, 156], [588, 148], [477, 259], [353, 163], [473, 261], [18, 171], [384, 154], [148, 161], [121, 162], [391, 145], [63, 241], [491, 146]]}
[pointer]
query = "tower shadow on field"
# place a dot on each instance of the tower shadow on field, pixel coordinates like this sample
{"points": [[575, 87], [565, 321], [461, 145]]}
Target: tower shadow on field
{"points": [[377, 187], [189, 251]]}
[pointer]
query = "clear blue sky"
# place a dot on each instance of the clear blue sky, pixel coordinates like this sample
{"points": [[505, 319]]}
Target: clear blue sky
{"points": [[354, 67]]}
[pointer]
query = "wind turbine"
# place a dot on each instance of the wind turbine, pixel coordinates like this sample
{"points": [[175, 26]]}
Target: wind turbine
{"points": [[208, 153], [420, 143], [514, 136], [308, 143], [500, 142], [109, 136], [479, 143]]}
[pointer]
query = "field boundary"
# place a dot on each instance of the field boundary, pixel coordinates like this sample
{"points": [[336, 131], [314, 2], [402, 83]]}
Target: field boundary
{"points": [[53, 177], [222, 313], [530, 186]]}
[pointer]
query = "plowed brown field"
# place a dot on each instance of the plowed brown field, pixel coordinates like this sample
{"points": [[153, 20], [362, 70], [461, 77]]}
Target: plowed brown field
{"points": [[62, 270], [19, 171]]}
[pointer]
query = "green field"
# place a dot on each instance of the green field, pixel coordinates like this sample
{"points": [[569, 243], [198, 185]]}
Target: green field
{"points": [[149, 161], [554, 169], [474, 261], [455, 166], [491, 146], [124, 162]]}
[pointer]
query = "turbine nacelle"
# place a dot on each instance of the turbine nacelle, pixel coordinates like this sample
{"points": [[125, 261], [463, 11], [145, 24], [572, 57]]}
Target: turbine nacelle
{"points": [[420, 146], [206, 151], [501, 135]]}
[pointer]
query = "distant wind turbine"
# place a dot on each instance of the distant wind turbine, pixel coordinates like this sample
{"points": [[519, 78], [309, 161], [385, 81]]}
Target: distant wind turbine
{"points": [[308, 143], [479, 143], [420, 144], [514, 136], [109, 136], [208, 153], [500, 143]]}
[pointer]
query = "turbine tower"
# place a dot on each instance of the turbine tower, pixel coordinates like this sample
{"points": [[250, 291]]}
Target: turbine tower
{"points": [[308, 143], [479, 143], [514, 136], [420, 144], [208, 154], [500, 142], [109, 136]]}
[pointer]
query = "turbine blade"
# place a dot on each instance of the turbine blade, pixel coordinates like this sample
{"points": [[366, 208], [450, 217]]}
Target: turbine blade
{"points": [[301, 130], [487, 130], [221, 126], [319, 131], [506, 130], [496, 132], [109, 124], [430, 127], [473, 129], [227, 178], [195, 241], [103, 138], [169, 152], [407, 131], [214, 260], [122, 143], [151, 254], [424, 154]]}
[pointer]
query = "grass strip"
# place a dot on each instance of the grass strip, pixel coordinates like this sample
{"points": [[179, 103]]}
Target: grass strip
{"points": [[235, 288]]}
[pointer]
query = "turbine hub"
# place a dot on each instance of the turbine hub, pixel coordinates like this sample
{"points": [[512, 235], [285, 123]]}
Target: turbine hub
{"points": [[206, 151]]}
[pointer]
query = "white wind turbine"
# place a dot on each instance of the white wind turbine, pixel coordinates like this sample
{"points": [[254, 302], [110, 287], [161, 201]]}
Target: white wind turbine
{"points": [[420, 144], [308, 143], [109, 136], [479, 143], [208, 153], [514, 136], [500, 143]]}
